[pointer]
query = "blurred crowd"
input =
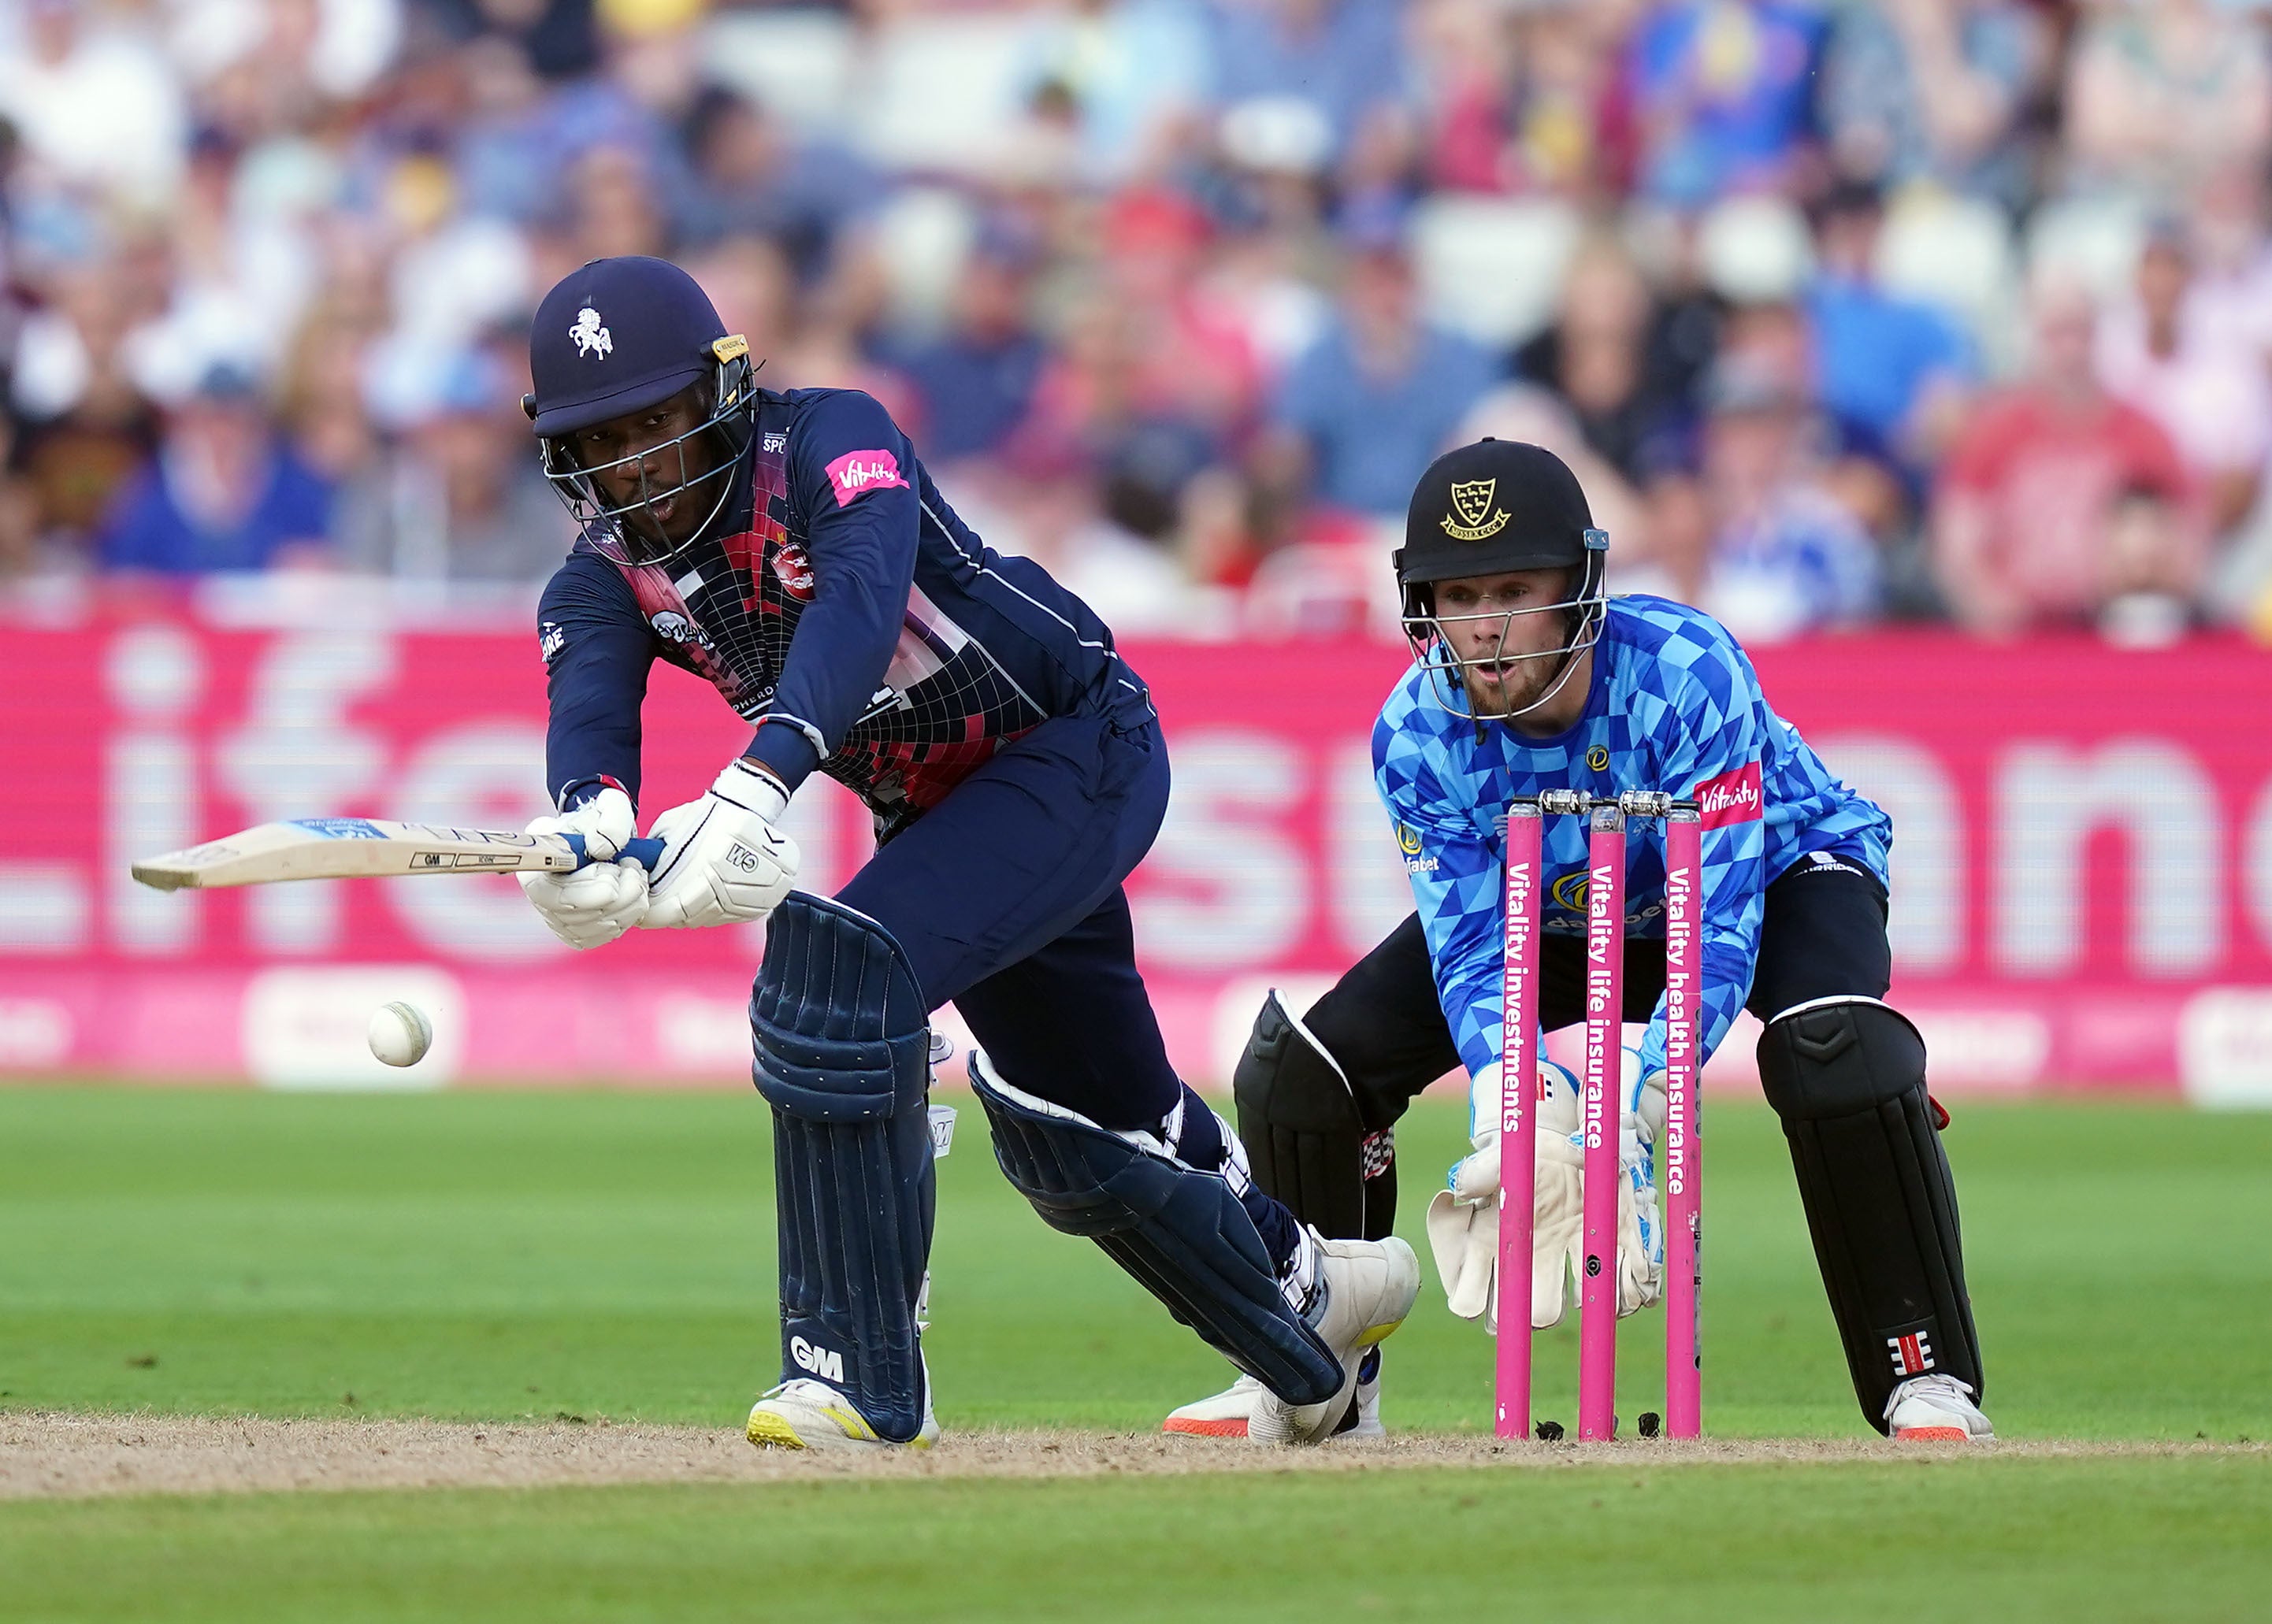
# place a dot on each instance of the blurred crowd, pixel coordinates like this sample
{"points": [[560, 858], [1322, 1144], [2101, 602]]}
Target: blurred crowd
{"points": [[1847, 312]]}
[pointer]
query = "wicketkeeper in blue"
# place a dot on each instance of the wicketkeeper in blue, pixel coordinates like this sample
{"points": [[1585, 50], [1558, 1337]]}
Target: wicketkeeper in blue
{"points": [[1527, 676], [790, 548]]}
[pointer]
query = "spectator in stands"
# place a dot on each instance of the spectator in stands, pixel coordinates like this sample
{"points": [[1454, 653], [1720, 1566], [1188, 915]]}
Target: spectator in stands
{"points": [[224, 492], [1786, 556], [83, 427], [750, 175], [1133, 74], [974, 382], [1532, 99], [1936, 90], [1597, 358], [1342, 59], [1724, 91], [2022, 524], [2159, 95], [1896, 368], [2207, 388], [462, 498], [560, 37], [1371, 404], [96, 107]]}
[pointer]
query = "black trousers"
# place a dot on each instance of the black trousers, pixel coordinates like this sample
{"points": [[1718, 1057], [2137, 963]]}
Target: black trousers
{"points": [[1823, 934]]}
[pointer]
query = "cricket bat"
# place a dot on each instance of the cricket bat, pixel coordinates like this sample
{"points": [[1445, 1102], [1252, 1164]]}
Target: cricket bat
{"points": [[339, 848]]}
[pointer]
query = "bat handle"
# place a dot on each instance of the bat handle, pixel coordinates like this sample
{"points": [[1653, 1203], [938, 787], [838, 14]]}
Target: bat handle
{"points": [[647, 851]]}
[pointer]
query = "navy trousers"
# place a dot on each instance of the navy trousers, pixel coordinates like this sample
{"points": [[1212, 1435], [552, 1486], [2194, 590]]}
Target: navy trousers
{"points": [[1007, 897]]}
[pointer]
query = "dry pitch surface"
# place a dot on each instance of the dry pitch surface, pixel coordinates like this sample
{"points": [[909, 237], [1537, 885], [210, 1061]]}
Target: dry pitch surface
{"points": [[60, 1456]]}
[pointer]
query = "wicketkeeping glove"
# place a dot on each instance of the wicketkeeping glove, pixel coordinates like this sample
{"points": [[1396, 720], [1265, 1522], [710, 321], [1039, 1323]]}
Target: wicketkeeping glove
{"points": [[722, 858], [604, 898], [1464, 1218]]}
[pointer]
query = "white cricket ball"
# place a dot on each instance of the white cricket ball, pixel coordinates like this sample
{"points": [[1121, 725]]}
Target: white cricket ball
{"points": [[401, 1034]]}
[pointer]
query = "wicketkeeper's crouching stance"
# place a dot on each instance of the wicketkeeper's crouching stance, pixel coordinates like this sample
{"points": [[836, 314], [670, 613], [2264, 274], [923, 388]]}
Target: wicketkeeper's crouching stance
{"points": [[1527, 677], [791, 549]]}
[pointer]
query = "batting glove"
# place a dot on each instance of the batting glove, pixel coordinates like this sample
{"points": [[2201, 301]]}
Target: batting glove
{"points": [[723, 859], [604, 898]]}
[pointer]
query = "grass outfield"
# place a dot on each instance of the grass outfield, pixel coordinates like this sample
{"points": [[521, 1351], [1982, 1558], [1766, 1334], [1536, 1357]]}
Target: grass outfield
{"points": [[487, 1256]]}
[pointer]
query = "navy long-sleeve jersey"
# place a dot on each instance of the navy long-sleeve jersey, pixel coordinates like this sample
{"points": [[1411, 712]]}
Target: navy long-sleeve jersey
{"points": [[847, 611]]}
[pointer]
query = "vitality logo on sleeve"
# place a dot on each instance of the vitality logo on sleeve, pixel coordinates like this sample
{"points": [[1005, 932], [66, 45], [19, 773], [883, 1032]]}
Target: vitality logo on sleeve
{"points": [[1731, 798], [858, 472]]}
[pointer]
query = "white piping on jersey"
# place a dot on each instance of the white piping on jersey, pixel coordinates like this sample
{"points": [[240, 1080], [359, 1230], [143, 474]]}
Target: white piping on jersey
{"points": [[1037, 708], [1110, 653], [811, 733]]}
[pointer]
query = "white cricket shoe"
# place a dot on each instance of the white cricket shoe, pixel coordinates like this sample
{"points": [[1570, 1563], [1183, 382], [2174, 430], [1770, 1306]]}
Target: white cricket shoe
{"points": [[1225, 1414], [805, 1414], [1935, 1410], [1369, 1286]]}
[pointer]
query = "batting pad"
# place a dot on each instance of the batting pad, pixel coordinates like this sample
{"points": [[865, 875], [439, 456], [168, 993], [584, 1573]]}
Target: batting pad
{"points": [[842, 1045], [1181, 1233]]}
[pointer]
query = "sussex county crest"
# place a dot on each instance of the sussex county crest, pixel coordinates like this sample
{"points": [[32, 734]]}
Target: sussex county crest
{"points": [[1472, 518]]}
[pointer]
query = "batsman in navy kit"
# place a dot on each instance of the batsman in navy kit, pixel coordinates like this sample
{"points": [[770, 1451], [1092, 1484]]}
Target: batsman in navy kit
{"points": [[789, 548], [1527, 676]]}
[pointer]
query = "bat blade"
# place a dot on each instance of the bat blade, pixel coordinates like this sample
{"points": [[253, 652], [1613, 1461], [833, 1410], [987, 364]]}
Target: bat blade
{"points": [[333, 848]]}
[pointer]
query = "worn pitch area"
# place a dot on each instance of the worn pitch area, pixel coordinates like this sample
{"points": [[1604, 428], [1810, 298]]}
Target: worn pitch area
{"points": [[56, 1455]]}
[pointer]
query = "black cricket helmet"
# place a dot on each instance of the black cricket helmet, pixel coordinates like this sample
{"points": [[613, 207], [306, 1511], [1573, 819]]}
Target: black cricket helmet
{"points": [[1489, 509], [618, 336]]}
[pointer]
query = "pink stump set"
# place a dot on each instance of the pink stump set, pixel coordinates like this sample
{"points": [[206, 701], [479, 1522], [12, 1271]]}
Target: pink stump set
{"points": [[1604, 1107]]}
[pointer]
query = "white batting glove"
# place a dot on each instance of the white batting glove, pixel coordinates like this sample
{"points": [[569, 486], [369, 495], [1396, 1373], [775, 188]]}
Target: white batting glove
{"points": [[723, 859], [1464, 1218], [604, 898]]}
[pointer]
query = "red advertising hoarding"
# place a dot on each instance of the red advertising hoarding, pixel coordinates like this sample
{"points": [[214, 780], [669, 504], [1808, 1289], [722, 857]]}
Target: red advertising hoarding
{"points": [[2084, 855]]}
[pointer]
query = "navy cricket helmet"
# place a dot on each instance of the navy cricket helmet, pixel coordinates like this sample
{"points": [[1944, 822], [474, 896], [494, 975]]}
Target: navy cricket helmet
{"points": [[619, 336], [1493, 508]]}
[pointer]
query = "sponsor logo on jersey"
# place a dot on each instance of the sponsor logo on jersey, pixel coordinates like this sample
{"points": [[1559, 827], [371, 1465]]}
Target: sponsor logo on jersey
{"points": [[676, 628], [775, 442], [1408, 837], [1472, 518], [591, 338], [1597, 758], [1829, 862], [825, 1363], [858, 472], [1731, 798], [1570, 891], [550, 639], [792, 567]]}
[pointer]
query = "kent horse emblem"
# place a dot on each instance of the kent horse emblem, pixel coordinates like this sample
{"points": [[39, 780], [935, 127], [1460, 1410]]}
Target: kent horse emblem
{"points": [[591, 338]]}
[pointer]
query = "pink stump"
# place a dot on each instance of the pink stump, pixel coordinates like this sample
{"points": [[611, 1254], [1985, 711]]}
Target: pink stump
{"points": [[1518, 1119], [1597, 1323], [1679, 1163]]}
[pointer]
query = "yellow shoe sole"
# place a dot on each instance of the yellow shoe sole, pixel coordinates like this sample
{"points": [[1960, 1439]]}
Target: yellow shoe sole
{"points": [[769, 1431]]}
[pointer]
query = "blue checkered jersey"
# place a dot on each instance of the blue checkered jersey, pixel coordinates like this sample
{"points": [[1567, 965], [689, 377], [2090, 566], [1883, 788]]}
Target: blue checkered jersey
{"points": [[1674, 705]]}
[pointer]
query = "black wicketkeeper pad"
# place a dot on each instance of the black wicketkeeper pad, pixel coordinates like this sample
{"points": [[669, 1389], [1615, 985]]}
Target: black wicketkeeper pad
{"points": [[842, 1042], [1305, 1142], [1181, 1233], [1847, 1078]]}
